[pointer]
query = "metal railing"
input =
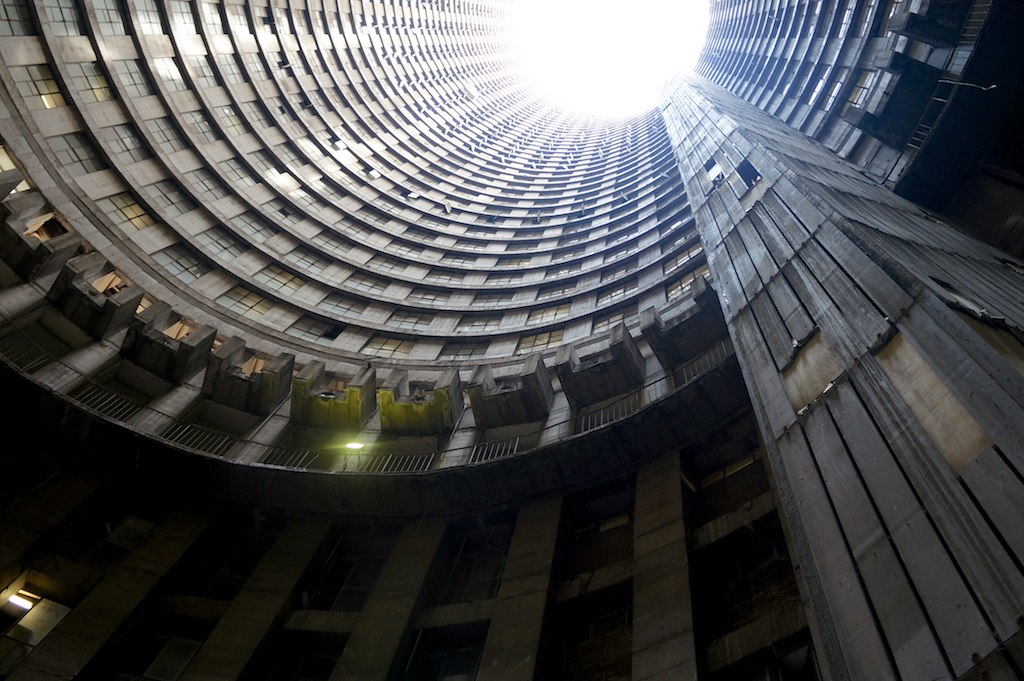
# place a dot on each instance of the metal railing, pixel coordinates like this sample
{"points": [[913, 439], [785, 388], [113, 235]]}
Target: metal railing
{"points": [[620, 408], [103, 400], [28, 357], [295, 458], [21, 350], [489, 451], [199, 438], [395, 463], [632, 402]]}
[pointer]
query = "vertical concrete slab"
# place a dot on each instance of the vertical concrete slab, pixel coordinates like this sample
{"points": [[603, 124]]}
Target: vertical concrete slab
{"points": [[663, 644], [510, 652], [264, 598], [77, 639], [376, 641]]}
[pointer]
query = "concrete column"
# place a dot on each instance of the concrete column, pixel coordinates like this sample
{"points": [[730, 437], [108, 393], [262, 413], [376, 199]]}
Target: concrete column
{"points": [[20, 299], [64, 653], [663, 645], [510, 653], [376, 641], [263, 599]]}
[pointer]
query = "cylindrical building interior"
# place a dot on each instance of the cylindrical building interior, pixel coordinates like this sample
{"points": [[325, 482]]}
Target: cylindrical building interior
{"points": [[333, 349]]}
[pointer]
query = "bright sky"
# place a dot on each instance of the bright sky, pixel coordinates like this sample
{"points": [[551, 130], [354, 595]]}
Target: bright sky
{"points": [[608, 57]]}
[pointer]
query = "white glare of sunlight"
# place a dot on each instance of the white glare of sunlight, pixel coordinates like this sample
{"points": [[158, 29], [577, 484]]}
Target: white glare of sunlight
{"points": [[607, 57]]}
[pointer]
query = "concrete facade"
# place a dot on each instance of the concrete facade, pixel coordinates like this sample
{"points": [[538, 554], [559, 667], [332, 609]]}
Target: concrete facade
{"points": [[344, 356]]}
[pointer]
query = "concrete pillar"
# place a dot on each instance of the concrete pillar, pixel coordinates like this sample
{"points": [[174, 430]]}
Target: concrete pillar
{"points": [[663, 645], [20, 299], [64, 653], [510, 653], [263, 599], [376, 641]]}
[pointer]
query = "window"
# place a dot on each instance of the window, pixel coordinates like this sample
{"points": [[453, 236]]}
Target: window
{"points": [[466, 261], [540, 341], [683, 285], [514, 262], [331, 243], [203, 182], [169, 198], [618, 272], [201, 126], [748, 173], [181, 16], [149, 17], [560, 291], [89, 82], [566, 255], [181, 263], [218, 243], [15, 18], [366, 283], [341, 306], [230, 68], [714, 171], [202, 71], [428, 296], [37, 86], [382, 346], [548, 314], [400, 248], [682, 258], [277, 279], [387, 264], [166, 134], [134, 81], [75, 154], [315, 331], [239, 173], [256, 229], [493, 298], [244, 302], [607, 321], [480, 545], [124, 139], [444, 277], [619, 292], [563, 271], [306, 260], [859, 94], [212, 16], [125, 211], [64, 17], [351, 571], [411, 321], [463, 351], [108, 14], [167, 71], [504, 278], [479, 323], [231, 121]]}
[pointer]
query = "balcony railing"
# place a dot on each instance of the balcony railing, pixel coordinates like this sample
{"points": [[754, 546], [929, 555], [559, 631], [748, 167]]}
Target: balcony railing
{"points": [[22, 352]]}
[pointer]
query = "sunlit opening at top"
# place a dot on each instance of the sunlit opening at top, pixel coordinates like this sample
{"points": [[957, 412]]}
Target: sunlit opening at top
{"points": [[604, 57]]}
